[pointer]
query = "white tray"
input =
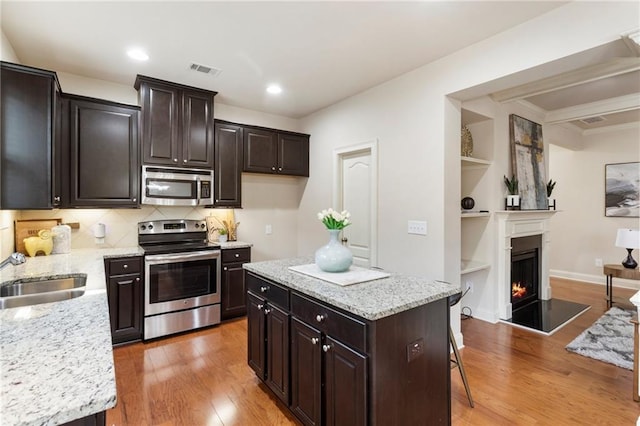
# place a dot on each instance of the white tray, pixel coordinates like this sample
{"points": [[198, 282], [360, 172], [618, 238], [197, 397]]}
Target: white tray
{"points": [[354, 275]]}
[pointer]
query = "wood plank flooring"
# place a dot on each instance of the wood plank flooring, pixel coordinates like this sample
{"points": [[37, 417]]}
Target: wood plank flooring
{"points": [[516, 377]]}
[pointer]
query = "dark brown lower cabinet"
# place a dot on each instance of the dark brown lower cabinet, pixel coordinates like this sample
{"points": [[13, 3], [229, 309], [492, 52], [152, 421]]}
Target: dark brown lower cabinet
{"points": [[268, 350], [124, 292], [232, 288], [346, 370], [98, 419]]}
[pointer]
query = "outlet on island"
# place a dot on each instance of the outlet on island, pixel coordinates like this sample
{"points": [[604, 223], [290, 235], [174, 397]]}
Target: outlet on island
{"points": [[267, 229]]}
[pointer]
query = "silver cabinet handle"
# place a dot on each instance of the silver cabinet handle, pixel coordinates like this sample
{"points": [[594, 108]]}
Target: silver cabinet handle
{"points": [[56, 199], [320, 318], [237, 255], [267, 311], [326, 348], [175, 160], [134, 200], [279, 169], [264, 288], [125, 266], [225, 268], [314, 340], [184, 161], [260, 306], [138, 279], [273, 168]]}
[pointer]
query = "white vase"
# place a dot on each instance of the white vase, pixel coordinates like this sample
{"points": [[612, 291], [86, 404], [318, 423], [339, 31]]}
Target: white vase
{"points": [[334, 257], [222, 238]]}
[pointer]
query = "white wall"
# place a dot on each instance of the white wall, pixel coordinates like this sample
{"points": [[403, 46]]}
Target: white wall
{"points": [[419, 152], [579, 196]]}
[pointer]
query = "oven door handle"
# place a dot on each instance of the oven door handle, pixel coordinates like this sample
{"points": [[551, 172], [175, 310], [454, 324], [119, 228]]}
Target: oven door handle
{"points": [[155, 259]]}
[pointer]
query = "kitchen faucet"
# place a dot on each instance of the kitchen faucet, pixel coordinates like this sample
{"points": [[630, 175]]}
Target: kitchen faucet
{"points": [[14, 259]]}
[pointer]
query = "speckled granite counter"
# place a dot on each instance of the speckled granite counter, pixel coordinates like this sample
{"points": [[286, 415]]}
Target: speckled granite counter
{"points": [[234, 245], [371, 300], [56, 359]]}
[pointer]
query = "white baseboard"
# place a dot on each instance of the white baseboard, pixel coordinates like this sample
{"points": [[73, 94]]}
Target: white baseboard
{"points": [[594, 279]]}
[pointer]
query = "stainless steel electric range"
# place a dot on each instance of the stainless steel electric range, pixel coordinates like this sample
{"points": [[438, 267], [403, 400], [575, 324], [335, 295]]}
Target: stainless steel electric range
{"points": [[182, 276]]}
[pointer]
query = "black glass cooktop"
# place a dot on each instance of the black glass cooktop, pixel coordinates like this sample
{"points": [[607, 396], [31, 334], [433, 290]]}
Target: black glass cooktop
{"points": [[546, 315]]}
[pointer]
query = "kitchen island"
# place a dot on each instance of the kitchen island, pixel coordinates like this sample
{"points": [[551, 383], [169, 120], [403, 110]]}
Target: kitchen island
{"points": [[56, 359], [375, 353]]}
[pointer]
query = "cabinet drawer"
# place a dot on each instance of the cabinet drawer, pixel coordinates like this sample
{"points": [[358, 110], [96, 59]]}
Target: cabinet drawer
{"points": [[268, 290], [126, 265], [337, 325], [236, 255]]}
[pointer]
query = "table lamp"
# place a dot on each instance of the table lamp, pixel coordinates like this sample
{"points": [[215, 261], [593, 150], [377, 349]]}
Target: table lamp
{"points": [[628, 239]]}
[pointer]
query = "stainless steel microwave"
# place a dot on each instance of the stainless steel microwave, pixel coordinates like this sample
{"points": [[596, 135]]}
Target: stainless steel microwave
{"points": [[169, 186]]}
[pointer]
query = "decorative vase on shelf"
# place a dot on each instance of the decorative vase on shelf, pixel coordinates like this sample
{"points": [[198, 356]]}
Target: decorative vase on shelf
{"points": [[334, 257]]}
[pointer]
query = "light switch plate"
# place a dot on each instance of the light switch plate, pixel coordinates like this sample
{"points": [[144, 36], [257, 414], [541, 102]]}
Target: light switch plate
{"points": [[417, 227]]}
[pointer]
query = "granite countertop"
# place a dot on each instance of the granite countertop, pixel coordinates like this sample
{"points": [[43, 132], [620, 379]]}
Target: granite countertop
{"points": [[371, 300], [56, 359], [234, 245]]}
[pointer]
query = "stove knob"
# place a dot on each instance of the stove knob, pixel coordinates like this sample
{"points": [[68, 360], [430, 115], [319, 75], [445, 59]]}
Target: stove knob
{"points": [[150, 227], [143, 227]]}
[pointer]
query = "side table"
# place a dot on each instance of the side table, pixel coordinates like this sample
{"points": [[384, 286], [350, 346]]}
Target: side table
{"points": [[618, 271]]}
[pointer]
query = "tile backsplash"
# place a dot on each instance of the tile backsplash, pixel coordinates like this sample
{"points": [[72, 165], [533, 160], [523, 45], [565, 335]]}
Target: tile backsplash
{"points": [[120, 224]]}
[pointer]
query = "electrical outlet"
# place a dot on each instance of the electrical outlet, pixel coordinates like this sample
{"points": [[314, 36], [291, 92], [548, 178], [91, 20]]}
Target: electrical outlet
{"points": [[469, 286], [267, 229], [417, 227], [598, 262]]}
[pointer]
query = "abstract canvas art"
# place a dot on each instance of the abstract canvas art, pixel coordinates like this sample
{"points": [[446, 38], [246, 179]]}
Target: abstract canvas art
{"points": [[527, 162], [622, 190]]}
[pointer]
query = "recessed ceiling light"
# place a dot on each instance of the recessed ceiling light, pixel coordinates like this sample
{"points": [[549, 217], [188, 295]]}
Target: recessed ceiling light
{"points": [[137, 54], [274, 89]]}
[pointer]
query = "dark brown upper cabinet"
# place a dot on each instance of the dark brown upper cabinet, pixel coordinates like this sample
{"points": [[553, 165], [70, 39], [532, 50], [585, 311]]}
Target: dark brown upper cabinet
{"points": [[228, 165], [104, 164], [177, 124], [275, 152], [30, 136]]}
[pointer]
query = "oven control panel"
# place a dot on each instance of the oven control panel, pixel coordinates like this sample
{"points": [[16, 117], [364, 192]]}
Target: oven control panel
{"points": [[171, 226]]}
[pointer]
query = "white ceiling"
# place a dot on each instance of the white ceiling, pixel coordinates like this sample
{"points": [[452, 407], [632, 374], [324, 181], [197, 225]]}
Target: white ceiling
{"points": [[319, 52]]}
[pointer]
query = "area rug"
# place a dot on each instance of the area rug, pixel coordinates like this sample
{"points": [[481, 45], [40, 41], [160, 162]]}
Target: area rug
{"points": [[609, 339]]}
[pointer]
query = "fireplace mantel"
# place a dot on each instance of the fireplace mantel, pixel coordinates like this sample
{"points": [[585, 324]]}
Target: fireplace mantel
{"points": [[514, 224]]}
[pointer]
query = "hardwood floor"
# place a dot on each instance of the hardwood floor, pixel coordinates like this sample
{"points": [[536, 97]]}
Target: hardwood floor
{"points": [[516, 377]]}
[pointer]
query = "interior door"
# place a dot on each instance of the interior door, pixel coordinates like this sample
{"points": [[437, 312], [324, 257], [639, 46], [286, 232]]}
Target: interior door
{"points": [[357, 188]]}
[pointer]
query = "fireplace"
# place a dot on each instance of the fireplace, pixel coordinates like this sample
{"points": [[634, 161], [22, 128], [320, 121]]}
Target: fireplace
{"points": [[525, 270]]}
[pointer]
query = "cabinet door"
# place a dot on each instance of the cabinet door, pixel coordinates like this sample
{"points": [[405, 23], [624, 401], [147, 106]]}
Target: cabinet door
{"points": [[233, 291], [305, 372], [345, 385], [125, 307], [197, 129], [104, 164], [277, 375], [256, 344], [260, 151], [293, 155], [228, 165], [27, 129], [160, 124]]}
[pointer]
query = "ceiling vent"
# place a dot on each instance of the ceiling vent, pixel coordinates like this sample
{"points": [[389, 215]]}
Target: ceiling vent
{"points": [[205, 69], [593, 120]]}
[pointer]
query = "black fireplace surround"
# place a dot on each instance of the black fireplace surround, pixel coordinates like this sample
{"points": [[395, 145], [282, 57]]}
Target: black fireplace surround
{"points": [[525, 270]]}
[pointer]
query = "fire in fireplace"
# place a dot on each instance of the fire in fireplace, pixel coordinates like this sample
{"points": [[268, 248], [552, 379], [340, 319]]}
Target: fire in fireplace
{"points": [[525, 270]]}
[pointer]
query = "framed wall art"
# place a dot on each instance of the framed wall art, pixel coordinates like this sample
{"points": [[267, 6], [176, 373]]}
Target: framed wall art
{"points": [[622, 190], [527, 162]]}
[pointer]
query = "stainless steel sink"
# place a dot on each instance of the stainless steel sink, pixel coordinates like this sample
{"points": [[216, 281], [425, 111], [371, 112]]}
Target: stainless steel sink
{"points": [[29, 292]]}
